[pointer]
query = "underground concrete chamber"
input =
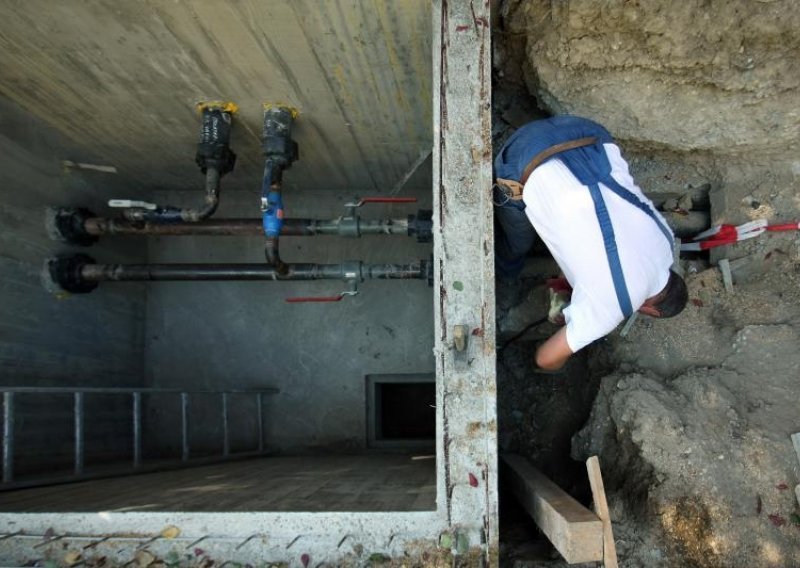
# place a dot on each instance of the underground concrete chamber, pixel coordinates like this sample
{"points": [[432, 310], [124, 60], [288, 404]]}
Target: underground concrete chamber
{"points": [[353, 427]]}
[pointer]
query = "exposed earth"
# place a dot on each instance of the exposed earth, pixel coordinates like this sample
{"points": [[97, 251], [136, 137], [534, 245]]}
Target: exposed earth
{"points": [[691, 417]]}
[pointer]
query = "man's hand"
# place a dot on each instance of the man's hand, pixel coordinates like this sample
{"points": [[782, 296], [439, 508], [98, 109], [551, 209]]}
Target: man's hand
{"points": [[553, 353], [560, 292]]}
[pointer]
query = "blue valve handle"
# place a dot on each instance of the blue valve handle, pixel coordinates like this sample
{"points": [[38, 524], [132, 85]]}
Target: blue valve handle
{"points": [[168, 214], [273, 214]]}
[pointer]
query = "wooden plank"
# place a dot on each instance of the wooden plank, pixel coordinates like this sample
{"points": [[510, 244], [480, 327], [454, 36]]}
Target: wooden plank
{"points": [[601, 508], [573, 529]]}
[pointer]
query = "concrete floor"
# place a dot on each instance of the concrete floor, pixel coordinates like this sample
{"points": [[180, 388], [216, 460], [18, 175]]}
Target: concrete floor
{"points": [[365, 482]]}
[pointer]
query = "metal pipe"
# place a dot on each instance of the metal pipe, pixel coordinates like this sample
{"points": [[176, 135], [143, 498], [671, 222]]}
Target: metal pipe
{"points": [[137, 429], [211, 199], [273, 257], [78, 415], [272, 207], [183, 272], [8, 437], [343, 226], [184, 426], [169, 214]]}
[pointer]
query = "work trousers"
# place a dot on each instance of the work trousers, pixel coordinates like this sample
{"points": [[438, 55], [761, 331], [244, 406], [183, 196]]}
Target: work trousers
{"points": [[514, 235]]}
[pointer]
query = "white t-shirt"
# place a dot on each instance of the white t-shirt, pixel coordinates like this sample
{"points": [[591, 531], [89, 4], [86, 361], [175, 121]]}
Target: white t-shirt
{"points": [[562, 212]]}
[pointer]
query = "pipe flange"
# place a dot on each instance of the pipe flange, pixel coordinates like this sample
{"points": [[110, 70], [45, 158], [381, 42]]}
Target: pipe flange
{"points": [[352, 271], [421, 226], [63, 274], [67, 225]]}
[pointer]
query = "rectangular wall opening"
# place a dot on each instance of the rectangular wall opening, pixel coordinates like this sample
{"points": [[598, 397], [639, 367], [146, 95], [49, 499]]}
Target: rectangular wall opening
{"points": [[401, 411]]}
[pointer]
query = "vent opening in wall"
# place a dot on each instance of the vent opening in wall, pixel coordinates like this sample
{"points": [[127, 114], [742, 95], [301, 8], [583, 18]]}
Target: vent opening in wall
{"points": [[401, 411]]}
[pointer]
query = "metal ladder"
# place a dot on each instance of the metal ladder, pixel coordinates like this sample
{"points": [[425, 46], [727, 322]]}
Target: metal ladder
{"points": [[136, 465]]}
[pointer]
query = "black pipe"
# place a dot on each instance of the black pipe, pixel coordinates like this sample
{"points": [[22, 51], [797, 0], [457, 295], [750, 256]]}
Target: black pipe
{"points": [[273, 256], [214, 158], [356, 270], [82, 227], [344, 226], [169, 214], [279, 152], [80, 274]]}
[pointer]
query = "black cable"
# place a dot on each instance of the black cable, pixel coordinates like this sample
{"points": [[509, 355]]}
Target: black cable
{"points": [[523, 332]]}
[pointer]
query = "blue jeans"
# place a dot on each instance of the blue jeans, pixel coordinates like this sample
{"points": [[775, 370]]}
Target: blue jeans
{"points": [[515, 236]]}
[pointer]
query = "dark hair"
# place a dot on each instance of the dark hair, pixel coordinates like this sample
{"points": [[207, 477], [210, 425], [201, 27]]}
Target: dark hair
{"points": [[675, 296]]}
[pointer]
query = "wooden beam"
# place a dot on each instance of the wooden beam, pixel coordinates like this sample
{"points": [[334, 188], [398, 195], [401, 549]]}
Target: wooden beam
{"points": [[574, 530], [601, 508]]}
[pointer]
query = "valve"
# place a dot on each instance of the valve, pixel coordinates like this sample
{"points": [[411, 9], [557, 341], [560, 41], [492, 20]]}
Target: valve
{"points": [[279, 152], [132, 204], [353, 291], [213, 149], [272, 217], [213, 153]]}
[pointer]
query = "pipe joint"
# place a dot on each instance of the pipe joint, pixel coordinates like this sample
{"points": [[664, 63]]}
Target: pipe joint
{"points": [[68, 225]]}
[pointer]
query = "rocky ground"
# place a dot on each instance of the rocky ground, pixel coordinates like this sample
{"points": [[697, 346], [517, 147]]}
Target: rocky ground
{"points": [[691, 418]]}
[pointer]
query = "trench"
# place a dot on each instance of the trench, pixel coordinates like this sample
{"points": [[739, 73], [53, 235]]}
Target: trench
{"points": [[538, 413]]}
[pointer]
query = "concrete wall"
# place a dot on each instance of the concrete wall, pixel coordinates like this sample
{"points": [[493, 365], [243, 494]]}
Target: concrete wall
{"points": [[244, 334], [93, 340], [120, 80]]}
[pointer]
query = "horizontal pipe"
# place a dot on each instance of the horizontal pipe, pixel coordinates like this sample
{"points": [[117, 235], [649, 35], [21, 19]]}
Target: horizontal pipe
{"points": [[183, 272], [687, 224], [171, 214], [98, 226]]}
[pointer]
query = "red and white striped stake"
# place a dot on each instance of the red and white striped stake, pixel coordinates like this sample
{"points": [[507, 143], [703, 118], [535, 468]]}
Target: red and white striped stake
{"points": [[729, 234]]}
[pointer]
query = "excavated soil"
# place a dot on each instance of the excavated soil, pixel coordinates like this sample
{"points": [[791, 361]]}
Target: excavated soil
{"points": [[690, 417]]}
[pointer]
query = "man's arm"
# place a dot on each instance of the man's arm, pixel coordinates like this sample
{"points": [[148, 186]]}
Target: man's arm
{"points": [[553, 353]]}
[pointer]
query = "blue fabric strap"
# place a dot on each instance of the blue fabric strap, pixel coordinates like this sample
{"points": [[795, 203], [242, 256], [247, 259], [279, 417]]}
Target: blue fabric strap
{"points": [[610, 243], [631, 198]]}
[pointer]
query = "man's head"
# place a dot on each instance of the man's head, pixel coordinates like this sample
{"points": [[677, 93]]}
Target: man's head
{"points": [[670, 301]]}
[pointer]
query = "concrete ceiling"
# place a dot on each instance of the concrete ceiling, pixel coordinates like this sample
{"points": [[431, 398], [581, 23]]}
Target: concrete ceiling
{"points": [[121, 78]]}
